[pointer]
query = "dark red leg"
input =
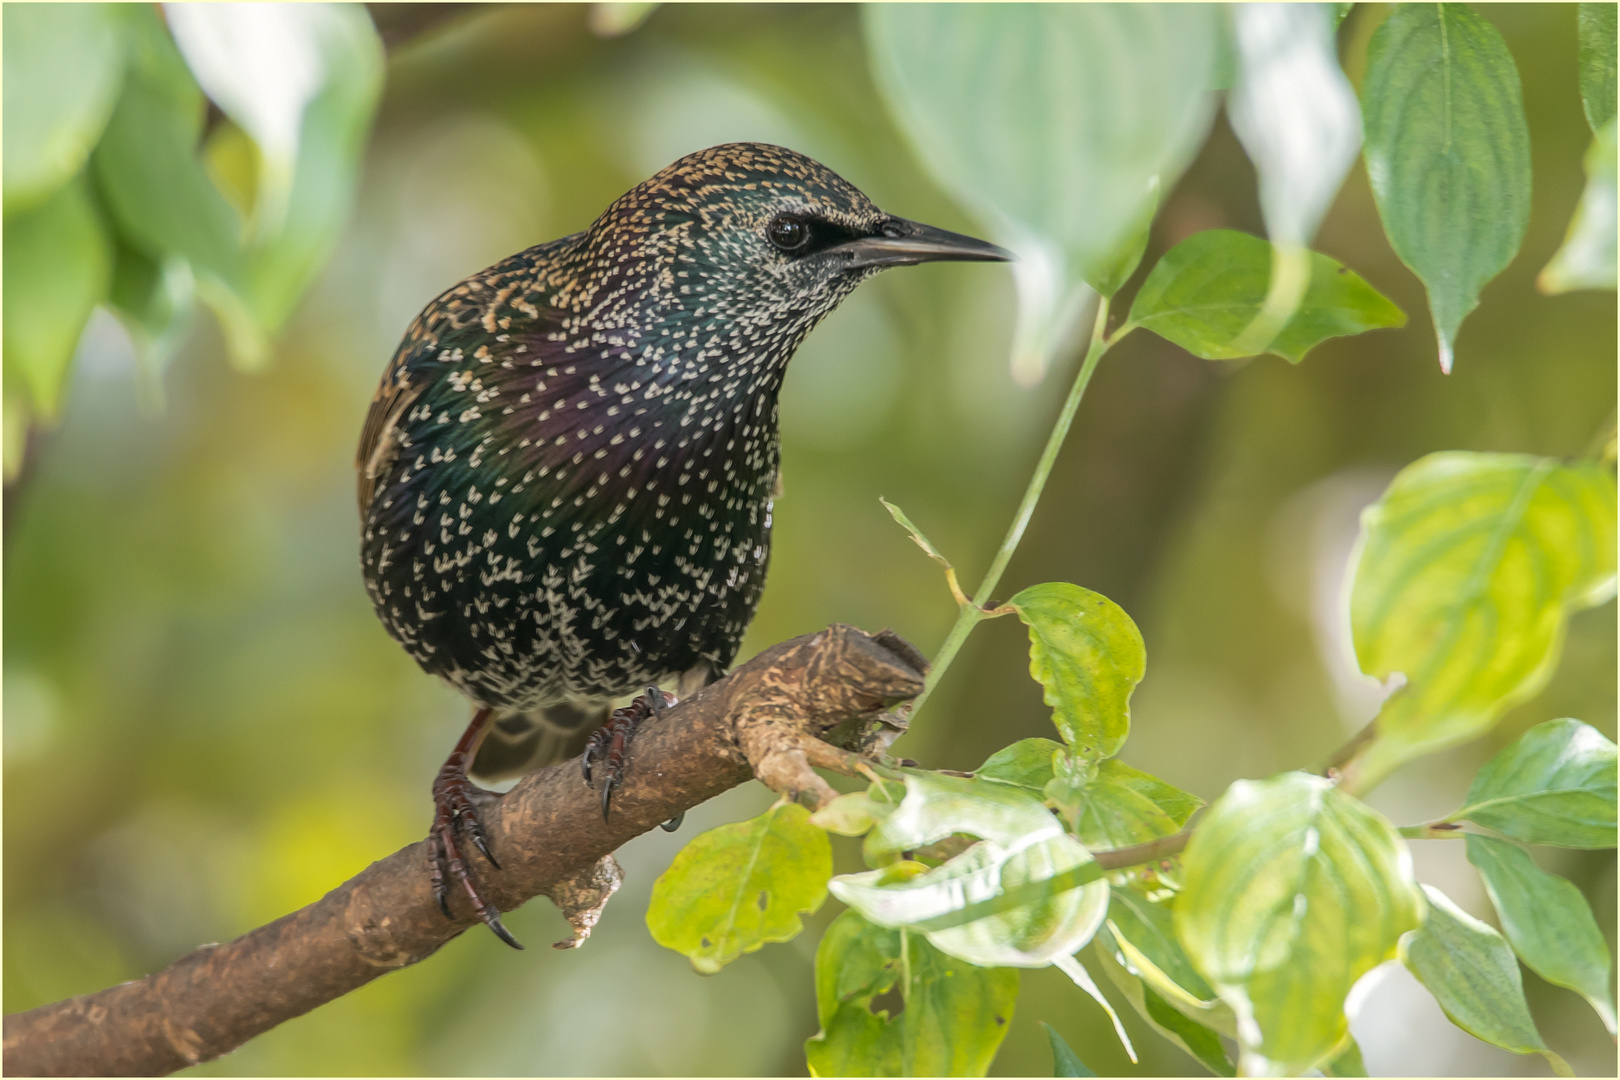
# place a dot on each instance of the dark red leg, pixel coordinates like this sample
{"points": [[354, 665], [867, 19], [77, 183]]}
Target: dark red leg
{"points": [[454, 812], [609, 742]]}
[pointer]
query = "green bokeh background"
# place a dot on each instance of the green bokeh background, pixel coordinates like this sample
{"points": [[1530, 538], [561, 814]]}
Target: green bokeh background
{"points": [[205, 727]]}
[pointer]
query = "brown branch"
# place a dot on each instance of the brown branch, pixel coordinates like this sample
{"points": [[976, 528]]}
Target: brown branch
{"points": [[551, 839]]}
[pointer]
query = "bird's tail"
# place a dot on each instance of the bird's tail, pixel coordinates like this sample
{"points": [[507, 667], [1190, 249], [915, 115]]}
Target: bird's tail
{"points": [[521, 742]]}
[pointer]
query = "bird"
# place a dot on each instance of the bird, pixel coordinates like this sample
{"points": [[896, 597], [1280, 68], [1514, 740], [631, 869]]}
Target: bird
{"points": [[567, 473]]}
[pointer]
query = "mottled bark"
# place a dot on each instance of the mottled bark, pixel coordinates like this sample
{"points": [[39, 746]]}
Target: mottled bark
{"points": [[548, 833]]}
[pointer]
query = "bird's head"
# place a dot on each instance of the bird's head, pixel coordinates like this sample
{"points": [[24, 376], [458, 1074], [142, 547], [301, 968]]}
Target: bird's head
{"points": [[752, 240]]}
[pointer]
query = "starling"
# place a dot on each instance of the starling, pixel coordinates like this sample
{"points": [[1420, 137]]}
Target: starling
{"points": [[567, 472]]}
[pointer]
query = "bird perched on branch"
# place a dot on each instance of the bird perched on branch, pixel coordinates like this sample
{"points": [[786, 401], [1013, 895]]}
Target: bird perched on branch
{"points": [[567, 472]]}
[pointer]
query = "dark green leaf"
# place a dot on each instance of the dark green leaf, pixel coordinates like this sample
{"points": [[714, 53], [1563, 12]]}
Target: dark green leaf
{"points": [[1448, 153], [63, 63], [155, 302], [1554, 785], [1065, 1062], [1209, 288], [954, 1018], [57, 263], [1121, 806], [734, 888], [1292, 890], [1468, 568], [1058, 124], [1089, 656], [1144, 932], [1472, 974], [1596, 32], [1547, 921], [1587, 258], [1027, 763]]}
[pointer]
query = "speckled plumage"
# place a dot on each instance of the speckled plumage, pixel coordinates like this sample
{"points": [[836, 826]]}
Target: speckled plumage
{"points": [[566, 474]]}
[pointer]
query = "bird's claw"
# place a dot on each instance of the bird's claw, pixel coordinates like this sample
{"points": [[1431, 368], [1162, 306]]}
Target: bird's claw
{"points": [[610, 741], [455, 811]]}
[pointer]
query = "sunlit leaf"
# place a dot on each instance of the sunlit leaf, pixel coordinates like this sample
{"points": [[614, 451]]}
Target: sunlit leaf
{"points": [[1089, 656], [1076, 971], [1547, 921], [262, 65], [1294, 112], [1207, 290], [734, 888], [1121, 806], [63, 64], [1468, 568], [1027, 763], [1448, 153], [57, 263], [954, 1016], [1554, 785], [1347, 1063], [1192, 1036], [1587, 258], [1030, 932], [332, 140], [1471, 972], [1065, 1062], [1596, 33], [1292, 891], [1057, 124], [936, 806]]}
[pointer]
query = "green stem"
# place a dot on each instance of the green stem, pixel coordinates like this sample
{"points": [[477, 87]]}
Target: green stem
{"points": [[969, 615]]}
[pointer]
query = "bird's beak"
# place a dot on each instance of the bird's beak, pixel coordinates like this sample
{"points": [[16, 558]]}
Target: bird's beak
{"points": [[906, 243]]}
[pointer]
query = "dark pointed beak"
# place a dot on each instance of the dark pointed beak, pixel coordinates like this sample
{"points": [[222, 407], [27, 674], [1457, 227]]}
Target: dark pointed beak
{"points": [[906, 243]]}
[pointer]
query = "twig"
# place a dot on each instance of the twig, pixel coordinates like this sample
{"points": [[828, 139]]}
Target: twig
{"points": [[548, 832]]}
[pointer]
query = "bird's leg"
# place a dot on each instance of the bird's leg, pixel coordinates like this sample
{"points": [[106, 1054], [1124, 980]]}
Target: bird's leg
{"points": [[609, 742], [454, 811]]}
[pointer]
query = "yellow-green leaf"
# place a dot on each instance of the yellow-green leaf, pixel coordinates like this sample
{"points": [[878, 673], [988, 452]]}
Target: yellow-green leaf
{"points": [[1089, 656], [1121, 806], [1292, 890], [1467, 570], [734, 888], [954, 1017]]}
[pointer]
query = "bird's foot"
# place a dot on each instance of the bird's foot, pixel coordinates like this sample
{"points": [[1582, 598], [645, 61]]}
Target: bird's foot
{"points": [[610, 741], [455, 818]]}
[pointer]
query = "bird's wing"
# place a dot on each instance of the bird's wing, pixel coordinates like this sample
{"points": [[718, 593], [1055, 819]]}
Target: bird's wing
{"points": [[379, 441]]}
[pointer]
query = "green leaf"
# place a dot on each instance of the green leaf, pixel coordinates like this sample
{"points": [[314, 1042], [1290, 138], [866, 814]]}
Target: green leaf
{"points": [[734, 888], [283, 264], [954, 1017], [155, 301], [937, 806], [1144, 936], [1123, 806], [917, 537], [1023, 932], [1595, 25], [1292, 890], [1448, 153], [851, 815], [1472, 974], [1294, 112], [1192, 1036], [1065, 1062], [1089, 656], [1027, 763], [1468, 567], [63, 64], [1058, 125], [1076, 971], [1347, 1063], [1207, 290], [1587, 258], [1547, 921], [57, 264], [1554, 785]]}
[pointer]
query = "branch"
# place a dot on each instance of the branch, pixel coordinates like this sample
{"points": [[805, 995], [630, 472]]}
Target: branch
{"points": [[551, 839]]}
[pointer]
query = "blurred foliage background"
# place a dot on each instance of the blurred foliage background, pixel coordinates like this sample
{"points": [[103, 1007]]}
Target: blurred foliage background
{"points": [[205, 727]]}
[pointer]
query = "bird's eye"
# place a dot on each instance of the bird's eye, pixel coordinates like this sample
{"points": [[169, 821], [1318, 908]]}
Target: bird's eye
{"points": [[789, 233]]}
